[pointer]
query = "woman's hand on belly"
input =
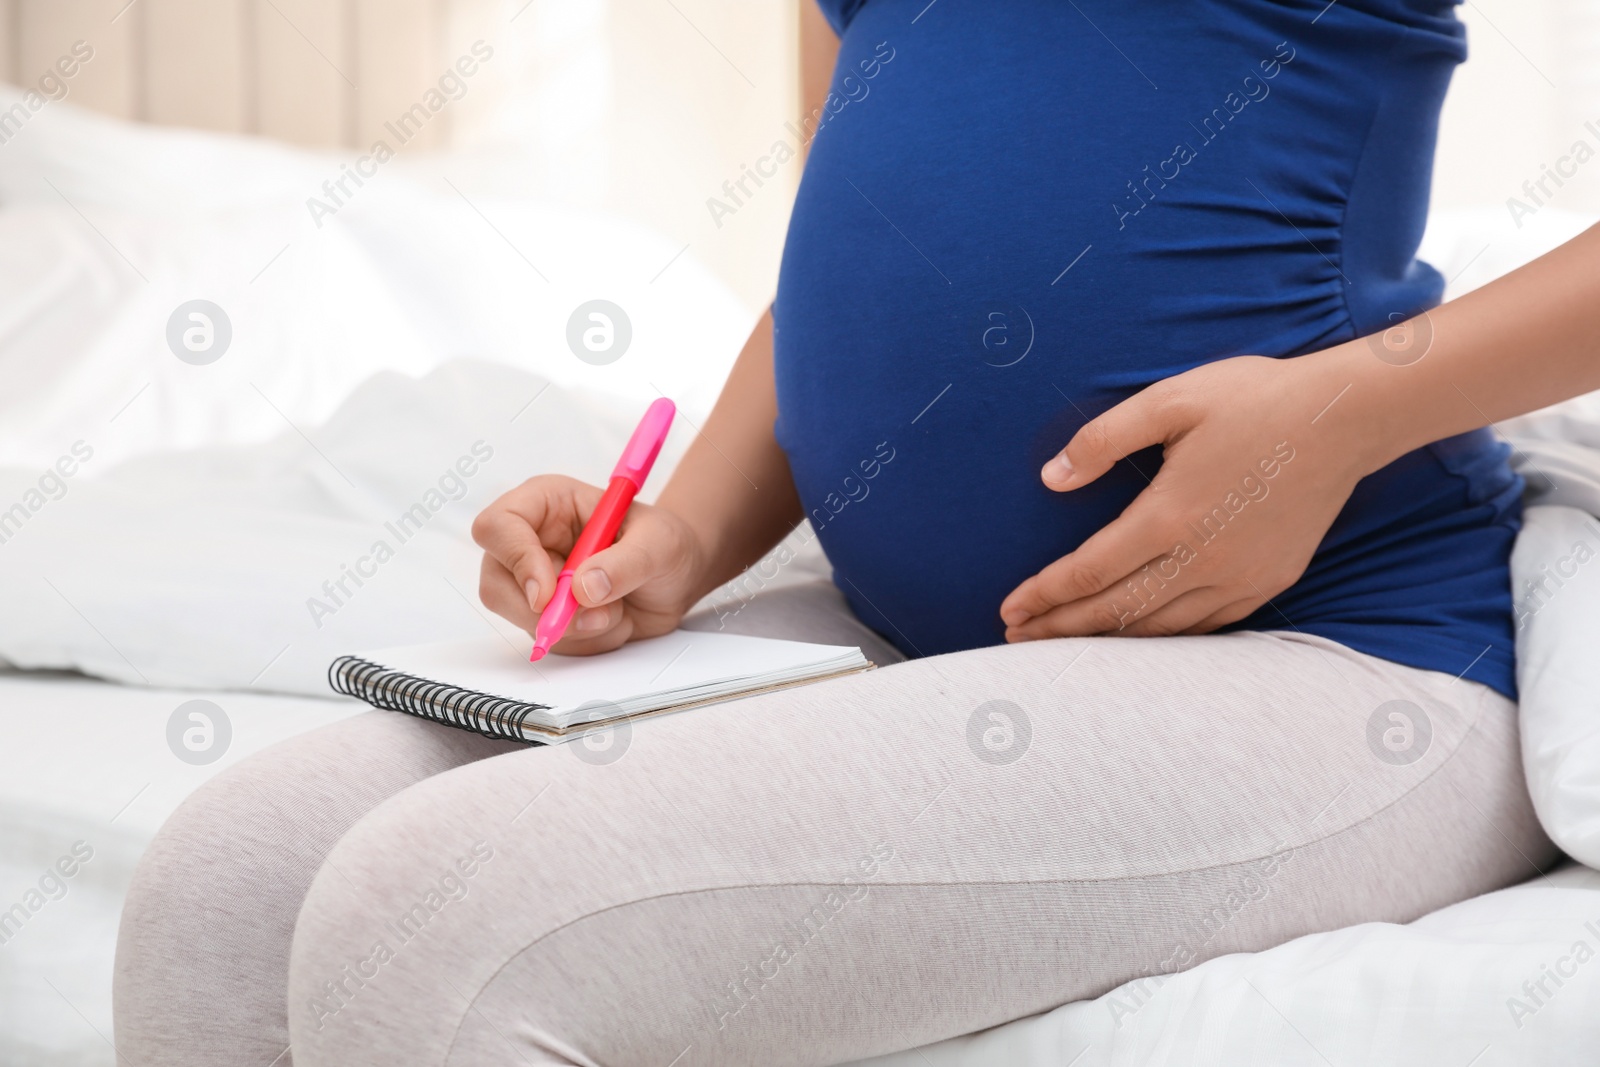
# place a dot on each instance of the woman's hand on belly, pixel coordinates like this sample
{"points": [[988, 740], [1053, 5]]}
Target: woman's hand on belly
{"points": [[1257, 463]]}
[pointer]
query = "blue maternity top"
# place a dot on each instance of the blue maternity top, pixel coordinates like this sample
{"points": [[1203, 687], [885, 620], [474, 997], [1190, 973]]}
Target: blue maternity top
{"points": [[1017, 213]]}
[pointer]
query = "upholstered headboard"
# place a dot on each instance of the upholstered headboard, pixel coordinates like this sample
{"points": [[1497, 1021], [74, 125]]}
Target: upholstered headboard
{"points": [[323, 73]]}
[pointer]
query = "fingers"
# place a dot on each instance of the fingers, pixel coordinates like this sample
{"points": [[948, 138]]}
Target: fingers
{"points": [[591, 630], [524, 534], [642, 552], [510, 540], [1065, 603], [1140, 421], [1111, 556], [1110, 612], [596, 630], [503, 595], [1179, 614], [1239, 609], [1194, 611], [1130, 616]]}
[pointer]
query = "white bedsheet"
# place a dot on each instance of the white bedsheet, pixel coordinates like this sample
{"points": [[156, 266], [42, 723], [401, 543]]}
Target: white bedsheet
{"points": [[87, 761]]}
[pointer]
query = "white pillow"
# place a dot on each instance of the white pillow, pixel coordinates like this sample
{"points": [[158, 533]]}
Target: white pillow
{"points": [[1555, 572], [106, 227]]}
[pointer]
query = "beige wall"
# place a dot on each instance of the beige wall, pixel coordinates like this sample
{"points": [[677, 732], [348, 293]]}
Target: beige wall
{"points": [[687, 121], [1530, 84], [645, 107], [641, 107]]}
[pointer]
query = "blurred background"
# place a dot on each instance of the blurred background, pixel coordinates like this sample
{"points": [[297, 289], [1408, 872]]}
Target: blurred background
{"points": [[640, 107], [368, 314], [619, 120], [645, 107]]}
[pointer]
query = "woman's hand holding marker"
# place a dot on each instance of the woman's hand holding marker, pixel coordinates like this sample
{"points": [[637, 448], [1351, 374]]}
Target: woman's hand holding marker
{"points": [[639, 587]]}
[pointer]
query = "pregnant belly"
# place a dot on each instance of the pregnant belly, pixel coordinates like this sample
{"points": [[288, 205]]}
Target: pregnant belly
{"points": [[929, 364], [987, 251], [926, 542]]}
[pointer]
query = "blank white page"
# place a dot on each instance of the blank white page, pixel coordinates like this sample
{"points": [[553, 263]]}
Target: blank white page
{"points": [[639, 676]]}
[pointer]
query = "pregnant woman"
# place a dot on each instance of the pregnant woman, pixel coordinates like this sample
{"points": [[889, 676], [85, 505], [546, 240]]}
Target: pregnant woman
{"points": [[1188, 647]]}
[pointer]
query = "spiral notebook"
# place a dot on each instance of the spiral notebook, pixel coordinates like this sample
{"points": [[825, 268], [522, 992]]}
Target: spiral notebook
{"points": [[489, 687]]}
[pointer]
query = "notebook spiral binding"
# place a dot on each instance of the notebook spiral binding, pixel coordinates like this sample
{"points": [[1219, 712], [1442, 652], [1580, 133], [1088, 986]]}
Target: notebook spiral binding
{"points": [[425, 698]]}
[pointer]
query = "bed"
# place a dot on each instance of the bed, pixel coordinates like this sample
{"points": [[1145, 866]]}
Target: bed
{"points": [[210, 503]]}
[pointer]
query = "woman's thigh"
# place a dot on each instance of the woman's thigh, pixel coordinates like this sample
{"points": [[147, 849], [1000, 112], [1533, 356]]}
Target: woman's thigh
{"points": [[926, 850], [203, 947]]}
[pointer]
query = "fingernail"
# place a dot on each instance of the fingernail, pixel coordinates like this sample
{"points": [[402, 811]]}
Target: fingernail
{"points": [[596, 585], [1058, 469], [589, 620], [1014, 617], [532, 589]]}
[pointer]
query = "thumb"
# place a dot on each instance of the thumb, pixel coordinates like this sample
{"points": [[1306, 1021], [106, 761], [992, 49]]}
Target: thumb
{"points": [[614, 572], [1138, 422]]}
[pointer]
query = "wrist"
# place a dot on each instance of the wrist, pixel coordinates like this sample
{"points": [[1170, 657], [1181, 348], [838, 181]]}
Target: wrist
{"points": [[1366, 401], [694, 555], [705, 574], [727, 530]]}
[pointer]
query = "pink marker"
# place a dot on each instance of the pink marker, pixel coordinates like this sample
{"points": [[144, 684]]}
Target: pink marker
{"points": [[600, 531]]}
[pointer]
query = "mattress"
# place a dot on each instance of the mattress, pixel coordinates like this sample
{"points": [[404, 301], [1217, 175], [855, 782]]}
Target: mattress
{"points": [[90, 776]]}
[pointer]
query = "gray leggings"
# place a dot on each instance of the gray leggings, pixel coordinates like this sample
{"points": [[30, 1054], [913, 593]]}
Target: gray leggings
{"points": [[817, 875]]}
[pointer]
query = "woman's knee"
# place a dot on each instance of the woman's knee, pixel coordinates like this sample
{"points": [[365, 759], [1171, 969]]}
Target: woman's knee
{"points": [[444, 929], [212, 904], [212, 897], [470, 879], [377, 947]]}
